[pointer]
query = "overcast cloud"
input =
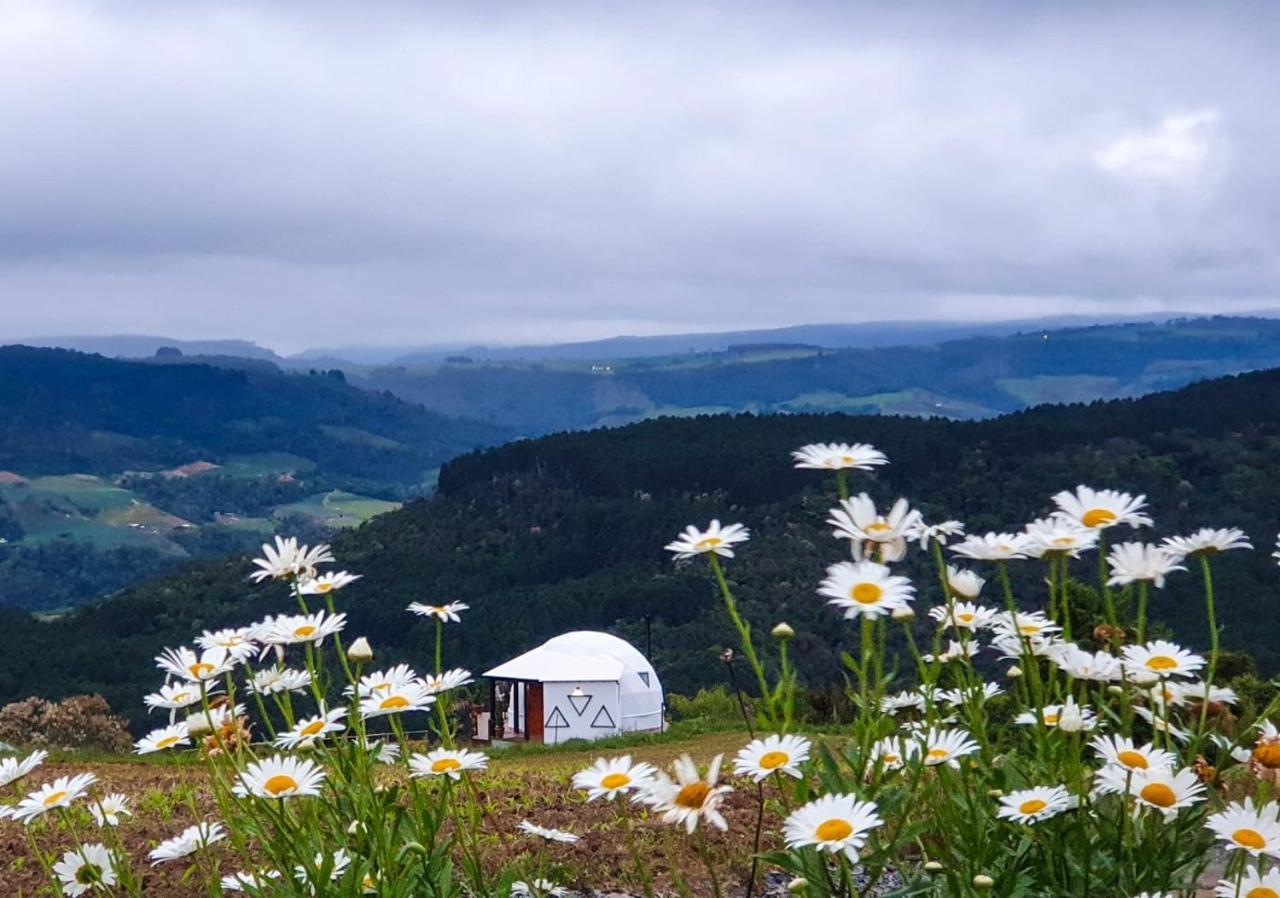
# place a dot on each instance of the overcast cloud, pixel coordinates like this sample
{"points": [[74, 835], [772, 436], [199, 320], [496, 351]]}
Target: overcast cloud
{"points": [[315, 174]]}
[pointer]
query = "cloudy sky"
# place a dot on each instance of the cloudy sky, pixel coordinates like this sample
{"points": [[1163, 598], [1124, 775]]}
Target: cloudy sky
{"points": [[322, 173]]}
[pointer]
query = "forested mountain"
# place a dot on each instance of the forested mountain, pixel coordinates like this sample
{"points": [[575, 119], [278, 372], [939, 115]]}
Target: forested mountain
{"points": [[975, 377], [567, 531], [112, 469]]}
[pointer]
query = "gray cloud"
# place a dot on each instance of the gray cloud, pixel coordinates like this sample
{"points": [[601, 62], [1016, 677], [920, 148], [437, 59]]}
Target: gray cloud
{"points": [[336, 173]]}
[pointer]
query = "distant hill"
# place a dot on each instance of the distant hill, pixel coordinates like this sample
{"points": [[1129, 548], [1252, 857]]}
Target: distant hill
{"points": [[540, 536], [112, 469], [135, 346], [793, 372]]}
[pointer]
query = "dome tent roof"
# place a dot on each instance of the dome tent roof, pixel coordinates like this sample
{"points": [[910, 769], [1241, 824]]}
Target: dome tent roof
{"points": [[585, 655]]}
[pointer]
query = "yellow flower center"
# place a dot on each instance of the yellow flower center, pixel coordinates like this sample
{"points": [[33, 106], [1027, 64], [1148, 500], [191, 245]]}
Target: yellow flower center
{"points": [[866, 593], [772, 760], [167, 741], [1249, 838], [395, 701], [693, 795], [1159, 795], [939, 753], [706, 544], [1268, 755], [444, 765], [304, 631], [322, 586], [890, 758], [878, 527], [1028, 629], [1034, 806], [1097, 517], [53, 798], [1132, 759], [847, 459], [833, 830], [964, 617], [180, 697], [200, 669], [280, 784], [1051, 719], [1262, 892], [615, 780], [312, 728], [1161, 662]]}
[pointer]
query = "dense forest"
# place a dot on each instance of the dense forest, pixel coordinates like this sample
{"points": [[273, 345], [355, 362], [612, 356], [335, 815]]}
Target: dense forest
{"points": [[567, 531]]}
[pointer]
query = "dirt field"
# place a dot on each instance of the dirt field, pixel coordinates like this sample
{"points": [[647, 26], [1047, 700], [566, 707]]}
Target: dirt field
{"points": [[516, 787]]}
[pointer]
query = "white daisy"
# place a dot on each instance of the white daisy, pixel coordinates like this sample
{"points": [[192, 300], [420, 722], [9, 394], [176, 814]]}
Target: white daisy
{"points": [[992, 546], [381, 682], [715, 540], [891, 753], [928, 534], [1132, 562], [865, 589], [402, 698], [108, 810], [236, 642], [1159, 724], [241, 882], [1160, 788], [965, 615], [1058, 536], [1098, 509], [1244, 826], [1024, 623], [955, 651], [963, 584], [444, 682], [280, 777], [447, 612], [337, 864], [176, 696], [874, 536], [166, 737], [958, 697], [187, 842], [907, 700], [185, 664], [12, 770], [307, 730], [537, 888], [609, 778], [447, 762], [1159, 659], [839, 457], [326, 583], [1034, 804], [832, 823], [1206, 541], [296, 629], [1254, 884], [271, 680], [1099, 667], [689, 798], [546, 832], [772, 754], [1122, 752], [938, 746], [286, 560], [92, 867], [1068, 716], [60, 793]]}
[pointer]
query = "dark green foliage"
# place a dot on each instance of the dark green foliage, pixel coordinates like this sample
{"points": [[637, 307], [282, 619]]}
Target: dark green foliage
{"points": [[567, 532]]}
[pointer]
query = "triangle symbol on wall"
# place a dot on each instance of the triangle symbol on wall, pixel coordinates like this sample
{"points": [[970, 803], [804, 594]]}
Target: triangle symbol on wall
{"points": [[644, 675], [556, 719], [603, 720], [580, 703]]}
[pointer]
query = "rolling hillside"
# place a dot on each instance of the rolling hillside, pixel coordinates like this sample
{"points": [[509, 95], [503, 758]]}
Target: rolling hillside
{"points": [[567, 531]]}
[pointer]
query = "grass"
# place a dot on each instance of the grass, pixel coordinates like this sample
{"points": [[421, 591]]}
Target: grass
{"points": [[337, 508]]}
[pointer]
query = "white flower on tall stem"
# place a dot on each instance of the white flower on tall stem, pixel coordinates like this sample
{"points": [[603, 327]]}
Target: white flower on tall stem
{"points": [[838, 457], [1160, 788], [1159, 659], [338, 862], [957, 697], [176, 696], [907, 700], [1099, 509], [928, 534], [715, 540], [1012, 646], [865, 589], [832, 824], [1035, 804], [380, 682], [965, 615], [61, 793], [891, 753], [108, 810], [89, 868], [689, 797], [447, 613], [12, 770], [286, 560], [401, 699], [1246, 827], [874, 536], [546, 832], [537, 888], [326, 583], [447, 762], [307, 730], [185, 664], [1133, 562], [280, 777], [1206, 541], [1161, 725], [1058, 537], [1098, 667], [242, 882], [449, 680], [297, 629], [187, 842], [172, 736], [955, 651], [611, 777], [1123, 752], [772, 754], [963, 584], [1068, 716], [938, 746], [1024, 623], [237, 642], [992, 546], [1252, 884], [271, 680]]}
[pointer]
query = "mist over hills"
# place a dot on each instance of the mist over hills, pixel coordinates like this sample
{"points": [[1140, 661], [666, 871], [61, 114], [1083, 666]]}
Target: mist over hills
{"points": [[567, 531]]}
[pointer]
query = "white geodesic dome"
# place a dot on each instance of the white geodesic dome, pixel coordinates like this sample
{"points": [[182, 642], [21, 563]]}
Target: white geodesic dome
{"points": [[594, 685]]}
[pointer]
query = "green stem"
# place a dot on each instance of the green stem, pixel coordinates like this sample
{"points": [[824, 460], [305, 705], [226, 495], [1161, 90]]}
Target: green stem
{"points": [[744, 633]]}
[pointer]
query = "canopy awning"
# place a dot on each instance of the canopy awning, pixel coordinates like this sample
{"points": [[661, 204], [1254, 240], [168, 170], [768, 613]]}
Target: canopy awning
{"points": [[543, 665]]}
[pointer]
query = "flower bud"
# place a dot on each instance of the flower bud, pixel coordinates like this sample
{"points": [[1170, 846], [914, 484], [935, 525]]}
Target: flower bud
{"points": [[198, 723], [995, 793], [1115, 690], [1013, 672], [783, 631], [903, 614], [360, 651], [797, 885], [983, 881], [932, 866]]}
